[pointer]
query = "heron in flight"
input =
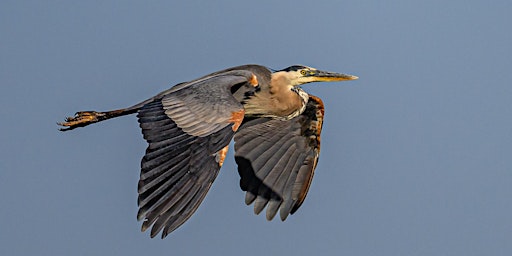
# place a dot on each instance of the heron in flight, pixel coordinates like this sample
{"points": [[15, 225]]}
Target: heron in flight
{"points": [[276, 128]]}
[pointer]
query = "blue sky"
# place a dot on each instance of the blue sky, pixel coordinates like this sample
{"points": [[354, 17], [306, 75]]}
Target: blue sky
{"points": [[416, 154]]}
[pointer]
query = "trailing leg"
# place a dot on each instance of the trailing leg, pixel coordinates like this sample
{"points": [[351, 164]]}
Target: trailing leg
{"points": [[84, 118]]}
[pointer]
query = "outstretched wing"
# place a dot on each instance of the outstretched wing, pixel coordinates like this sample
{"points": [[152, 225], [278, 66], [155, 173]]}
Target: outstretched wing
{"points": [[276, 159], [188, 130]]}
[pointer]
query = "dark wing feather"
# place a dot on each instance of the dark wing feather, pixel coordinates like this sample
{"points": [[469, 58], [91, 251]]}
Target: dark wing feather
{"points": [[277, 158], [185, 153]]}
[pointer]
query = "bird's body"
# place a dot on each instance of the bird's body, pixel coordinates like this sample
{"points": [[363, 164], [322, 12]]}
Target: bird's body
{"points": [[276, 126]]}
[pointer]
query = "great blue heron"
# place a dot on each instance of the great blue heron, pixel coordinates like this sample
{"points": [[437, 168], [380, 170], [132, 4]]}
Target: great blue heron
{"points": [[276, 126]]}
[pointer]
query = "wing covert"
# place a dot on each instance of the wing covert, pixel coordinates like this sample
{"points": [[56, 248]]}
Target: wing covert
{"points": [[205, 106]]}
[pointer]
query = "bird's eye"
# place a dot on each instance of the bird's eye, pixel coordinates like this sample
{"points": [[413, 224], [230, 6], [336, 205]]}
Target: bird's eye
{"points": [[303, 72]]}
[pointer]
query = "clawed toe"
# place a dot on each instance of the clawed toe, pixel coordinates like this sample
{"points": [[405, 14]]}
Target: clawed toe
{"points": [[80, 119]]}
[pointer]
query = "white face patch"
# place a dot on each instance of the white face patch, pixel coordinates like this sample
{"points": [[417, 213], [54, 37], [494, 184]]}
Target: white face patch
{"points": [[297, 77], [306, 76]]}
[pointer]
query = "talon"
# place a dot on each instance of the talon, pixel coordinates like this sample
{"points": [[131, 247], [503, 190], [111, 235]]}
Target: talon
{"points": [[81, 119]]}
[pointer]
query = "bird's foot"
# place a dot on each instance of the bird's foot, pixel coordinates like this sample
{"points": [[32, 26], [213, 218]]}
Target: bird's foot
{"points": [[81, 119]]}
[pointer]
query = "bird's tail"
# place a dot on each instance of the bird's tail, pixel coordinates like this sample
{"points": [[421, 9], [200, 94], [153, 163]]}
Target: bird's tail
{"points": [[84, 118]]}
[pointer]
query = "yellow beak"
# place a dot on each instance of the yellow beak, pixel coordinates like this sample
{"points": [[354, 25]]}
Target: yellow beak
{"points": [[324, 76]]}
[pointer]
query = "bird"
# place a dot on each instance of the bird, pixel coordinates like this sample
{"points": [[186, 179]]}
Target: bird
{"points": [[275, 125]]}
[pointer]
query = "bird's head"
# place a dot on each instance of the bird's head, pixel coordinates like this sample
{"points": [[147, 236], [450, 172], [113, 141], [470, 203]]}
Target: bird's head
{"points": [[298, 74]]}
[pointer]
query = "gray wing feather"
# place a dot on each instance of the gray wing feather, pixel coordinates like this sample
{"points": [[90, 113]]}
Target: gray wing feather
{"points": [[276, 159], [204, 106], [186, 128]]}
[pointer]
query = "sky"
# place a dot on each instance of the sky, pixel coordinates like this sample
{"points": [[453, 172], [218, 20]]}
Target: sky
{"points": [[416, 154]]}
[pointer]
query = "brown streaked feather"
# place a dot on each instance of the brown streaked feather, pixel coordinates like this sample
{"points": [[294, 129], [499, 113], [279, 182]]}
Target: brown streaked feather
{"points": [[316, 114], [221, 155], [277, 158], [236, 118]]}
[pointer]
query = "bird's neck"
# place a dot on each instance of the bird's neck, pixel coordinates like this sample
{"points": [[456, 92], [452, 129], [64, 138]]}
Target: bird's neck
{"points": [[277, 102]]}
